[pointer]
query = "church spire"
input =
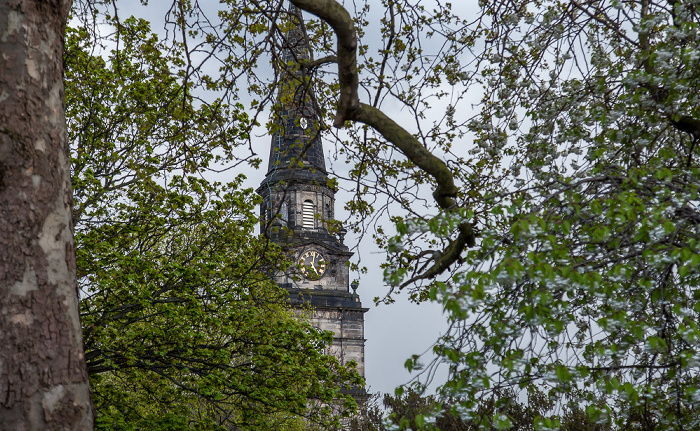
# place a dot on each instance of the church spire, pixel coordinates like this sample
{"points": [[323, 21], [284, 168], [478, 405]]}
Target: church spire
{"points": [[298, 208], [296, 150]]}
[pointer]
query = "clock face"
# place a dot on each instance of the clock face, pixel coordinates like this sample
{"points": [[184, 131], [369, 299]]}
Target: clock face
{"points": [[303, 123], [313, 264]]}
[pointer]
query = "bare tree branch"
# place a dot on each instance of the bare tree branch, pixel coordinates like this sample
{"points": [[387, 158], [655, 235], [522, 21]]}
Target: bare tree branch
{"points": [[351, 109]]}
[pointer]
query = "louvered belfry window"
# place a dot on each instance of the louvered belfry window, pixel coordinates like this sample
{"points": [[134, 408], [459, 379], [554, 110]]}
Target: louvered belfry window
{"points": [[308, 219]]}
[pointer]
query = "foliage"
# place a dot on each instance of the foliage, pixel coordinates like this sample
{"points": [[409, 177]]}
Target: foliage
{"points": [[578, 172], [410, 410], [585, 275], [581, 181], [183, 327]]}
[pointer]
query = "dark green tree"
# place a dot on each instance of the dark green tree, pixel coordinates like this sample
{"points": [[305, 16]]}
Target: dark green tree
{"points": [[183, 327], [584, 278], [564, 243], [579, 177], [409, 409]]}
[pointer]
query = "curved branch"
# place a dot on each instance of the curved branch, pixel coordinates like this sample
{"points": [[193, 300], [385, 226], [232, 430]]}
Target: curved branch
{"points": [[341, 22], [410, 146], [312, 64], [350, 109], [687, 124]]}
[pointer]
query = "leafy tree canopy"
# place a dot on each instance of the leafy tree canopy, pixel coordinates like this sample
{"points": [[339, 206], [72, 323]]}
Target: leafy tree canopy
{"points": [[411, 410], [183, 327], [541, 172], [584, 279], [563, 243]]}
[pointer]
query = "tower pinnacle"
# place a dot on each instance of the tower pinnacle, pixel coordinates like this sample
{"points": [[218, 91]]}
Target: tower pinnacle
{"points": [[296, 150], [298, 208]]}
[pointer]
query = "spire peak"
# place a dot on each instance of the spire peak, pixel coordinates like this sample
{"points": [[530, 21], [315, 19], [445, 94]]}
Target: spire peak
{"points": [[296, 150]]}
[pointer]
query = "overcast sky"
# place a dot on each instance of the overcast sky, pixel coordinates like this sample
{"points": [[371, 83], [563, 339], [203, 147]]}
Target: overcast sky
{"points": [[393, 332]]}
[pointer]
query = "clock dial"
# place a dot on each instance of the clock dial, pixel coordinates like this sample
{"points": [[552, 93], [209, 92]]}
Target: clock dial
{"points": [[313, 264]]}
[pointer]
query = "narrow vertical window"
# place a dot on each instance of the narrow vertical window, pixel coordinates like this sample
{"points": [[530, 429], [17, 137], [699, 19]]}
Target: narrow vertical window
{"points": [[284, 212], [308, 219]]}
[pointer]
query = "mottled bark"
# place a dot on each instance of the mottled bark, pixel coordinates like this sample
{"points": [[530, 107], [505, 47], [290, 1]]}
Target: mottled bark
{"points": [[43, 378], [351, 109]]}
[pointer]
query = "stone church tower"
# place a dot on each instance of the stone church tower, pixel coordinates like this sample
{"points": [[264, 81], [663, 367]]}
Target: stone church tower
{"points": [[298, 209]]}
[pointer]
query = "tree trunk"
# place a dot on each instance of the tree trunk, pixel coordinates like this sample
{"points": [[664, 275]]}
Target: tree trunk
{"points": [[43, 379]]}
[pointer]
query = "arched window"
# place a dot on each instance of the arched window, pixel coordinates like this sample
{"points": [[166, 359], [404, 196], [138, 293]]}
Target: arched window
{"points": [[284, 212], [308, 219], [267, 210]]}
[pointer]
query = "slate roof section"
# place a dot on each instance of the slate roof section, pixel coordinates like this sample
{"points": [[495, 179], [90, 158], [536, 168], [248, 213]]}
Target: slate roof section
{"points": [[321, 299], [296, 148]]}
